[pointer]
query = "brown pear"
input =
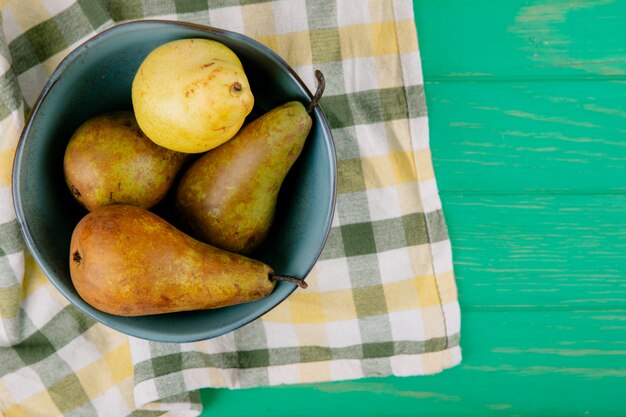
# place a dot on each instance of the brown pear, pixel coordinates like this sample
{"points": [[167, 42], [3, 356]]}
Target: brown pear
{"points": [[227, 198], [127, 261], [109, 160]]}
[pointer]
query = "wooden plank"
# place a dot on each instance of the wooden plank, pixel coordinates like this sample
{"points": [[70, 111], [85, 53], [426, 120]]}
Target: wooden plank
{"points": [[522, 363], [521, 39], [538, 252], [529, 162], [521, 136]]}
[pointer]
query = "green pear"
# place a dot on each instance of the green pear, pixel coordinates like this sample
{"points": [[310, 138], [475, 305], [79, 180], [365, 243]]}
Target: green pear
{"points": [[109, 160], [127, 261], [227, 198]]}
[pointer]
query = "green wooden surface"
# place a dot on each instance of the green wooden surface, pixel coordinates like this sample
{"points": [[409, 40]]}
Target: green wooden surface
{"points": [[527, 106]]}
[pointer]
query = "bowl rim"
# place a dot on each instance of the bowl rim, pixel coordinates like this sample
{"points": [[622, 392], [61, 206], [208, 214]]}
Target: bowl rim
{"points": [[98, 315]]}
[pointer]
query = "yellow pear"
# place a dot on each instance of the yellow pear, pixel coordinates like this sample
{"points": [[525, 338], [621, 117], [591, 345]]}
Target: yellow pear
{"points": [[191, 95]]}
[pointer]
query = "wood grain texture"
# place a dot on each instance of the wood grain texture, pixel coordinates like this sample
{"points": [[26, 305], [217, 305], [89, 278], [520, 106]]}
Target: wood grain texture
{"points": [[565, 363], [527, 112], [538, 252], [516, 137], [522, 39]]}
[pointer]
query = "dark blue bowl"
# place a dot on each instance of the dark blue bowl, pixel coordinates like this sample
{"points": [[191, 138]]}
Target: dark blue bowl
{"points": [[95, 78]]}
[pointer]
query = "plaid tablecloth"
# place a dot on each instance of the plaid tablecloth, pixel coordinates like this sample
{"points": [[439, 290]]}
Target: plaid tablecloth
{"points": [[382, 299]]}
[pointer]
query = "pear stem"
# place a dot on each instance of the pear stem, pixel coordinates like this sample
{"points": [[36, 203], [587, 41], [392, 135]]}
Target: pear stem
{"points": [[321, 84], [298, 281]]}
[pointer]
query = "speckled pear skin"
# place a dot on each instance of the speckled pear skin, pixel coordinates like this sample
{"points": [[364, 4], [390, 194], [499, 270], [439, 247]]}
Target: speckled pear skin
{"points": [[191, 95], [227, 198], [109, 160], [127, 261]]}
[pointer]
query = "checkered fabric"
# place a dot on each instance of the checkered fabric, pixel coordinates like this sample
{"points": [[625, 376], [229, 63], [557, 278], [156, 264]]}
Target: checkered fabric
{"points": [[381, 300]]}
